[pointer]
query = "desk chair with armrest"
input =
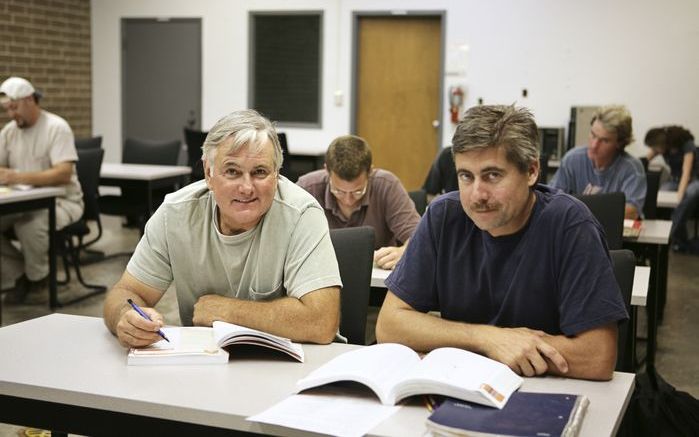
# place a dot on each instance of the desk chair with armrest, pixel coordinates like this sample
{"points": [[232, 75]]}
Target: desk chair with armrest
{"points": [[194, 140], [133, 202], [608, 209], [88, 143], [88, 169], [623, 262], [354, 249]]}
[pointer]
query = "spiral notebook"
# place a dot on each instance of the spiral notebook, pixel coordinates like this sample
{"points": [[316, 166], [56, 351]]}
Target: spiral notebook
{"points": [[525, 415]]}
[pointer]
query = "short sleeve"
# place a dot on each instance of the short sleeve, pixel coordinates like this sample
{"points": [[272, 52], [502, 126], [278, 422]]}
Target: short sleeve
{"points": [[589, 294], [413, 280], [150, 262], [311, 263]]}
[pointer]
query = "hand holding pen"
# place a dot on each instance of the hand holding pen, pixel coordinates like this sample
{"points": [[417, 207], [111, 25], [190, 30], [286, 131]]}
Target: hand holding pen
{"points": [[145, 316]]}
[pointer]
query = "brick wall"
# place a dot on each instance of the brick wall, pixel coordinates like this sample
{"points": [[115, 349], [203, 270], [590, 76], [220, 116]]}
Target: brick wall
{"points": [[48, 43]]}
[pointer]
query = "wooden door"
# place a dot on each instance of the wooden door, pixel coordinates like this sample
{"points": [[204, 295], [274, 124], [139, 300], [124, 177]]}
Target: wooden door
{"points": [[398, 92]]}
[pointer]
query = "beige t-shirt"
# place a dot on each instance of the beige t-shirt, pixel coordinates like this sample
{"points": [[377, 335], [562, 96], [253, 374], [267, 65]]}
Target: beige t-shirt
{"points": [[289, 253], [39, 147]]}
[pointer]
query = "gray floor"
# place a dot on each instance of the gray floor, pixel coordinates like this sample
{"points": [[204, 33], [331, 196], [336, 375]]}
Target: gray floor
{"points": [[678, 351]]}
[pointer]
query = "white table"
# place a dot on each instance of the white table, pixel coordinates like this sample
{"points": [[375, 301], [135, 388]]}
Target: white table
{"points": [[88, 388], [17, 201], [638, 294], [667, 199], [142, 176]]}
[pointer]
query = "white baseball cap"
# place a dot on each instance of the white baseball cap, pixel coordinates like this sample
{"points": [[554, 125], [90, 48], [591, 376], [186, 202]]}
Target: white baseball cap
{"points": [[16, 88]]}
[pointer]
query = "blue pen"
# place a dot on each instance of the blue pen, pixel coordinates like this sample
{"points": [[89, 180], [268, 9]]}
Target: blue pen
{"points": [[145, 316]]}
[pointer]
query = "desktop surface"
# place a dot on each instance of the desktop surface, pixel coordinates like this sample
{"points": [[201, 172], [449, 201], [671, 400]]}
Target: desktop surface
{"points": [[84, 366]]}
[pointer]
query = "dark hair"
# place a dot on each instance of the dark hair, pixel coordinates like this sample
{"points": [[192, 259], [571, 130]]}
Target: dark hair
{"points": [[348, 156], [499, 126], [668, 137]]}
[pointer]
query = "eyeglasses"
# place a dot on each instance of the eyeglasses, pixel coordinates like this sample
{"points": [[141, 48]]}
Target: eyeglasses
{"points": [[357, 194]]}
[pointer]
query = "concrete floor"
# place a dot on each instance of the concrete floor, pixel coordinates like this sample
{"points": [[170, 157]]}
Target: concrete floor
{"points": [[678, 350]]}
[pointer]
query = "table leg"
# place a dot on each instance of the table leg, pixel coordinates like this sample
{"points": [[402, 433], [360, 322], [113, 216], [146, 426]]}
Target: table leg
{"points": [[652, 305], [53, 293]]}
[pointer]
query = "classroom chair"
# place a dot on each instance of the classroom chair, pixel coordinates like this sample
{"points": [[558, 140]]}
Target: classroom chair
{"points": [[194, 140], [608, 209], [419, 198], [624, 263], [88, 143], [354, 249]]}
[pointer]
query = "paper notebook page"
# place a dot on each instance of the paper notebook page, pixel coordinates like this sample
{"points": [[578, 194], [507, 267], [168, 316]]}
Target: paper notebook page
{"points": [[472, 371], [182, 341], [379, 367]]}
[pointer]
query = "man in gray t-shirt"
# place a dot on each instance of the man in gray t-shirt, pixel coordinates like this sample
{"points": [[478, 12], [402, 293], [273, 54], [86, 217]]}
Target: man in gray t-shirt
{"points": [[36, 148], [245, 246]]}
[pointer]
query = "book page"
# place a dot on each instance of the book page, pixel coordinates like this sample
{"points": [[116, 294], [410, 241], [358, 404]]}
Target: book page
{"points": [[226, 334], [461, 374], [379, 367], [183, 340]]}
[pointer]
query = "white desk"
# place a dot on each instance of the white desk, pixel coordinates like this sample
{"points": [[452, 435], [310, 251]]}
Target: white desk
{"points": [[143, 177], [87, 388], [37, 198], [667, 199], [638, 294], [141, 172]]}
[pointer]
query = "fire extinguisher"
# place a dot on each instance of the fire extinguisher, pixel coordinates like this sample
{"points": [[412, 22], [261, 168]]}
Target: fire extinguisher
{"points": [[456, 101]]}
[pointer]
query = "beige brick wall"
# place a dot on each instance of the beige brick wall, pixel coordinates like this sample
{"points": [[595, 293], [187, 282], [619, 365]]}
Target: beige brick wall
{"points": [[48, 43]]}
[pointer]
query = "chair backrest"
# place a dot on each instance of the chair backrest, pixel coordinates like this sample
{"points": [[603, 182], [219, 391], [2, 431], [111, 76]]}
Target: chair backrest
{"points": [[624, 263], [88, 143], [151, 152], [650, 206], [354, 249], [608, 209], [194, 140], [88, 169], [419, 198], [286, 169], [543, 168]]}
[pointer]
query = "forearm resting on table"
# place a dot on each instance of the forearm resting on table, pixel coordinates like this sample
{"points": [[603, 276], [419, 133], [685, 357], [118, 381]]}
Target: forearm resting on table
{"points": [[590, 355], [314, 318], [59, 174]]}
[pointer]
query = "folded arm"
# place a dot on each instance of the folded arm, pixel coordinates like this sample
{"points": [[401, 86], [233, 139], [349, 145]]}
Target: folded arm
{"points": [[313, 318], [528, 352], [59, 174]]}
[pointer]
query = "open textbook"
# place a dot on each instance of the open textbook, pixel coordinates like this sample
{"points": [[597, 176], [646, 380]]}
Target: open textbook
{"points": [[203, 345], [395, 372]]}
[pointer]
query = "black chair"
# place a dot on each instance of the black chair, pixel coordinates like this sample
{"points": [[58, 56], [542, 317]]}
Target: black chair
{"points": [[88, 143], [133, 202], [623, 262], [419, 198], [88, 169], [354, 249], [287, 166], [608, 209], [194, 140], [650, 206]]}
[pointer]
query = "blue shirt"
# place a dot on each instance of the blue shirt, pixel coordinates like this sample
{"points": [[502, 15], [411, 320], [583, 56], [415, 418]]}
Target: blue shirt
{"points": [[577, 175], [555, 274]]}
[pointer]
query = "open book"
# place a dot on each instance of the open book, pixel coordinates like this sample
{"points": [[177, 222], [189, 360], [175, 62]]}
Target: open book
{"points": [[632, 228], [526, 414], [202, 345], [395, 372]]}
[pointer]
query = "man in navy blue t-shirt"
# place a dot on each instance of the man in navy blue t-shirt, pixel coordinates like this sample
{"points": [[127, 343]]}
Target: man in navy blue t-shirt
{"points": [[519, 272]]}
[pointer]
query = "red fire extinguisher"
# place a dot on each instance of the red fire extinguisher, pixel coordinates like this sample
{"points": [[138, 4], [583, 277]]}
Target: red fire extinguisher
{"points": [[456, 101]]}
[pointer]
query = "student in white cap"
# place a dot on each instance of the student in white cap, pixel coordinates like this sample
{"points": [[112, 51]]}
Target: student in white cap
{"points": [[36, 148]]}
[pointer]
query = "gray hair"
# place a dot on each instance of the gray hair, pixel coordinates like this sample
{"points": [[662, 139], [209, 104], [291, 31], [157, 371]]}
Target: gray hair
{"points": [[616, 118], [499, 126], [246, 128]]}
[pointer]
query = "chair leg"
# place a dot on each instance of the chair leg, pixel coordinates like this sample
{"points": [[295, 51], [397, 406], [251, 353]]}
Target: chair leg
{"points": [[74, 253]]}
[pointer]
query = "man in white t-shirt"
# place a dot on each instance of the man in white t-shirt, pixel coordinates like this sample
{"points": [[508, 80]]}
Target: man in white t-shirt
{"points": [[245, 246], [37, 148]]}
